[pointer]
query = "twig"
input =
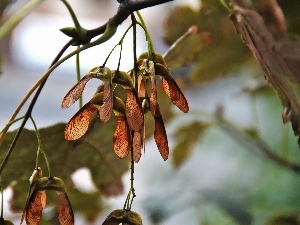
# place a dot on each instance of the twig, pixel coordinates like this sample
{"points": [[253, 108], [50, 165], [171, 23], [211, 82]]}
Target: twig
{"points": [[257, 145]]}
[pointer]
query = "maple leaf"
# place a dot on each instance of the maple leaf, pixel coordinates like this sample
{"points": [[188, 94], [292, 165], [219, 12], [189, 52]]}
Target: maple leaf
{"points": [[66, 158]]}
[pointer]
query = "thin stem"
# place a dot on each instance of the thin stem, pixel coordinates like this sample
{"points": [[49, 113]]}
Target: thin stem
{"points": [[131, 193], [191, 30], [226, 5], [133, 19], [120, 56], [11, 123], [74, 18], [256, 145], [39, 84], [132, 179], [78, 75], [149, 40], [119, 43], [40, 149]]}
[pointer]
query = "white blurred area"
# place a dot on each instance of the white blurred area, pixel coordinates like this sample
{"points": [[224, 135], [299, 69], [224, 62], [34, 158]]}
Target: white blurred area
{"points": [[29, 50]]}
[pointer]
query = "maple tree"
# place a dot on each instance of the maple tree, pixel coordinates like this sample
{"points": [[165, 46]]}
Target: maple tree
{"points": [[94, 137]]}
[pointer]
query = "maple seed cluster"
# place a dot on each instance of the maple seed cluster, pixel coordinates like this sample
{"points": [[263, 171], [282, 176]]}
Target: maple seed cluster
{"points": [[129, 132]]}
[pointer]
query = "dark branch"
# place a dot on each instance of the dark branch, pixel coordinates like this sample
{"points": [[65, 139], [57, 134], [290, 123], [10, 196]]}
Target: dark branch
{"points": [[126, 7], [258, 146]]}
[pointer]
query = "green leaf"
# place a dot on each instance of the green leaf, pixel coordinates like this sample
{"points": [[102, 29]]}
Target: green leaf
{"points": [[186, 138], [188, 50], [5, 222], [94, 151], [285, 219], [225, 53], [82, 200]]}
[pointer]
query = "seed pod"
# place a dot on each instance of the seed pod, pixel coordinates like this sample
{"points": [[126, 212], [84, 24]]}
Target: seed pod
{"points": [[5, 222], [36, 204], [79, 123], [171, 88], [157, 58], [76, 91], [124, 217], [137, 144], [65, 212], [144, 55], [121, 138], [160, 135], [49, 183], [123, 79], [134, 111]]}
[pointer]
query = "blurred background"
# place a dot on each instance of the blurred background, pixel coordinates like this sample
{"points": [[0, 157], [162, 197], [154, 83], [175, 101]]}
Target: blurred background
{"points": [[216, 172]]}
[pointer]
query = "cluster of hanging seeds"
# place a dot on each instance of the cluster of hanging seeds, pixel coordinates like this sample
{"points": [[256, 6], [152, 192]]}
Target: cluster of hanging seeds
{"points": [[129, 133]]}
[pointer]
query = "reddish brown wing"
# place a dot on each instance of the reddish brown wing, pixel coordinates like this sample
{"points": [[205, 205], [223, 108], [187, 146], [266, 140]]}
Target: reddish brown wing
{"points": [[76, 91], [141, 87], [153, 96], [161, 138], [137, 146], [134, 113], [121, 139], [79, 123], [174, 93], [36, 204], [65, 212], [107, 107]]}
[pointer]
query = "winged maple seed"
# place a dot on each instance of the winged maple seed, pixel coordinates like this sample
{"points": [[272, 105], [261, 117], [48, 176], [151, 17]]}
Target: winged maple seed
{"points": [[122, 216], [160, 134], [134, 112], [278, 63], [148, 70], [79, 123], [36, 174], [170, 86], [76, 91], [37, 202]]}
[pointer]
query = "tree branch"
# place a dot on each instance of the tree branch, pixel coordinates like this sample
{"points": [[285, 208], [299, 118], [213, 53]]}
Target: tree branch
{"points": [[126, 7], [257, 145]]}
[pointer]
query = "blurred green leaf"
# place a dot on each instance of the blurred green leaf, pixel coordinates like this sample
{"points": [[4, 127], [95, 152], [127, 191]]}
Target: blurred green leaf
{"points": [[235, 207], [94, 151], [186, 137], [188, 50], [5, 222], [285, 219], [224, 55]]}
